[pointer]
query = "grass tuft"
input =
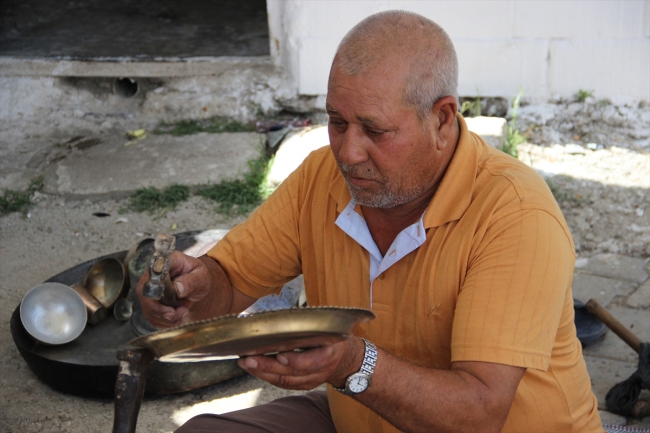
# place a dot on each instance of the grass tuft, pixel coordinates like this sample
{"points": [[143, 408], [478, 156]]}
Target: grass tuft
{"points": [[582, 95], [240, 196], [514, 137], [153, 199], [213, 125], [234, 197], [471, 108], [20, 201]]}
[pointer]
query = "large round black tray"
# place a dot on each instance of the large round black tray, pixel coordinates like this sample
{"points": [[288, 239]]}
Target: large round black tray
{"points": [[88, 367]]}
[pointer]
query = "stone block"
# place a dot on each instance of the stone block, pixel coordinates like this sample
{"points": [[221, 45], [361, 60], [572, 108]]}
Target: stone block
{"points": [[156, 161], [502, 67], [616, 266], [474, 19], [493, 130], [587, 286], [612, 347], [294, 149], [641, 297], [315, 59], [623, 67], [602, 19]]}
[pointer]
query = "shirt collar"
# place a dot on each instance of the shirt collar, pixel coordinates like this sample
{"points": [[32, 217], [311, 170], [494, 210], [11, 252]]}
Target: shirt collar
{"points": [[454, 194]]}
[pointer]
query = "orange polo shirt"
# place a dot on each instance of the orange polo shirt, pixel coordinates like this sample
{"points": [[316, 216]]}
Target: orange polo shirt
{"points": [[492, 281]]}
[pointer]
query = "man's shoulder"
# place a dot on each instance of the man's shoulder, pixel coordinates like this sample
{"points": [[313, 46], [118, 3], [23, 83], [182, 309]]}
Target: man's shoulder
{"points": [[502, 171]]}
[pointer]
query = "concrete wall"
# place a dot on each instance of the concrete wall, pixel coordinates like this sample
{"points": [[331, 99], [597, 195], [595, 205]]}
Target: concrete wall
{"points": [[548, 48]]}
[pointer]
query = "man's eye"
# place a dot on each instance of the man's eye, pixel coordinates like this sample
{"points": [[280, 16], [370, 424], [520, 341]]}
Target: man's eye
{"points": [[374, 132]]}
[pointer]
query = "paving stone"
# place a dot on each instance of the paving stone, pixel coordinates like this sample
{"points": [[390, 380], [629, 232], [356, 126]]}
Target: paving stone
{"points": [[617, 266], [295, 147], [641, 296], [587, 286], [612, 347], [109, 167], [608, 418]]}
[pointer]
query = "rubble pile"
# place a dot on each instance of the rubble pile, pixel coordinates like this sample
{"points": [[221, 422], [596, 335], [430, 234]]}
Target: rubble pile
{"points": [[597, 123]]}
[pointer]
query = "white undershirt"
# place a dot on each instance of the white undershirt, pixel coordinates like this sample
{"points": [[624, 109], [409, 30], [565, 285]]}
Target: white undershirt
{"points": [[406, 241]]}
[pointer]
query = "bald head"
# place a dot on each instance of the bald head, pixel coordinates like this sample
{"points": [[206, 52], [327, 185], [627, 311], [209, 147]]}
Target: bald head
{"points": [[409, 39]]}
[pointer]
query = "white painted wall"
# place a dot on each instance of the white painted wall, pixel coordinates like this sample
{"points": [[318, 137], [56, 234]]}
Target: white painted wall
{"points": [[547, 47]]}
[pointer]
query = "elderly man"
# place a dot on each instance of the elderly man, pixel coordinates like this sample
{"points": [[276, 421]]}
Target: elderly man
{"points": [[459, 249]]}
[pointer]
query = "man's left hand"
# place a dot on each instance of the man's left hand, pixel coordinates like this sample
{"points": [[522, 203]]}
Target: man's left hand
{"points": [[305, 370]]}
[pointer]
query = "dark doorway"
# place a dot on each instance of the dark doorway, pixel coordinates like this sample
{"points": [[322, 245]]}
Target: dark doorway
{"points": [[141, 29]]}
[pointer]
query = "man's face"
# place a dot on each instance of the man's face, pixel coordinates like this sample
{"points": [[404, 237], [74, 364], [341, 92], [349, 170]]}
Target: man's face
{"points": [[385, 152]]}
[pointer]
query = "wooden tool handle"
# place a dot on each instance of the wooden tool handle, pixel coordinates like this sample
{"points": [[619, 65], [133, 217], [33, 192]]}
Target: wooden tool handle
{"points": [[612, 323], [129, 387]]}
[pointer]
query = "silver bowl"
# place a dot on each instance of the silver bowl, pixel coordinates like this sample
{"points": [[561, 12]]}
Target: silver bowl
{"points": [[53, 313]]}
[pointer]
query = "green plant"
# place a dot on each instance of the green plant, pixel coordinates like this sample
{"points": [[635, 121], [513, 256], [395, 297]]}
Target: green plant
{"points": [[234, 197], [20, 201], [582, 95], [153, 199], [213, 125], [471, 108], [239, 196], [514, 138]]}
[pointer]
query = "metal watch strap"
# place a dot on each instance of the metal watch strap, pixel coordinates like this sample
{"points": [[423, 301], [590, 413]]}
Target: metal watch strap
{"points": [[367, 365]]}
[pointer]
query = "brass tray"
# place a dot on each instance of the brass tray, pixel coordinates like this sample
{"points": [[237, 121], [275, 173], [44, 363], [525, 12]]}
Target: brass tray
{"points": [[260, 333]]}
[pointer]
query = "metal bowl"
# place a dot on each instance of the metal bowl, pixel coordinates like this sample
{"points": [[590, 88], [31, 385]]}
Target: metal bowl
{"points": [[53, 313], [107, 281]]}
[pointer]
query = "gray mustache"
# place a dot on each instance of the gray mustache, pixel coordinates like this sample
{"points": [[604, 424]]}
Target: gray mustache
{"points": [[359, 171]]}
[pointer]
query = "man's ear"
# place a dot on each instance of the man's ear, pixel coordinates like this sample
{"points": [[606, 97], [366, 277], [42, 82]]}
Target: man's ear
{"points": [[444, 110]]}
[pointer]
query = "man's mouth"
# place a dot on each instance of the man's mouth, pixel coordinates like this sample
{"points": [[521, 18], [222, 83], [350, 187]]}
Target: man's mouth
{"points": [[360, 181]]}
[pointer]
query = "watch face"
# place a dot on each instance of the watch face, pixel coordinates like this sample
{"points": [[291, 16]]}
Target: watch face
{"points": [[358, 383]]}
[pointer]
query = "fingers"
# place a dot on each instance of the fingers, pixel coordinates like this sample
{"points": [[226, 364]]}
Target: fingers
{"points": [[180, 263], [157, 314], [300, 370], [289, 370], [192, 282], [194, 285]]}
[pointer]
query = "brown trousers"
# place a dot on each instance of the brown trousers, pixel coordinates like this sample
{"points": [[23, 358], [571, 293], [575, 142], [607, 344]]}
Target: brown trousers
{"points": [[309, 413]]}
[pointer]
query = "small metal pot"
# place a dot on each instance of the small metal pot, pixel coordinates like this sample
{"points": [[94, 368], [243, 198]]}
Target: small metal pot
{"points": [[96, 311], [107, 280]]}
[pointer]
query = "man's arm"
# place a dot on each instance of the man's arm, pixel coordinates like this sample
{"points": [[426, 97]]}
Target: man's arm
{"points": [[471, 396], [202, 288]]}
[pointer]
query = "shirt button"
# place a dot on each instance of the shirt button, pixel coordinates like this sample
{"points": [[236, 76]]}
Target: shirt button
{"points": [[380, 276]]}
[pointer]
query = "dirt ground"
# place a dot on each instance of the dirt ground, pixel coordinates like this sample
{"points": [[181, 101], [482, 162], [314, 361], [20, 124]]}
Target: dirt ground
{"points": [[58, 235], [604, 194]]}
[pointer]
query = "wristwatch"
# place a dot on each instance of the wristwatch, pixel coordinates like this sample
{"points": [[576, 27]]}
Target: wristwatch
{"points": [[360, 381]]}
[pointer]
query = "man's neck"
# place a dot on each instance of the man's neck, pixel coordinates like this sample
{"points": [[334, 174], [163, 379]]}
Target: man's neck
{"points": [[386, 224]]}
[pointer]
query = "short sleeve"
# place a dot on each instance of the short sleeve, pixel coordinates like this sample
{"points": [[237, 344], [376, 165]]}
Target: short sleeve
{"points": [[510, 304], [261, 254]]}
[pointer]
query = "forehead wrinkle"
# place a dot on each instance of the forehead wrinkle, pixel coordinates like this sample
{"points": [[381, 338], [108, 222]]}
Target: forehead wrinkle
{"points": [[366, 121]]}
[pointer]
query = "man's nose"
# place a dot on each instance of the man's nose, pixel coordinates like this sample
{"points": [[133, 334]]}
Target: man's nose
{"points": [[353, 147]]}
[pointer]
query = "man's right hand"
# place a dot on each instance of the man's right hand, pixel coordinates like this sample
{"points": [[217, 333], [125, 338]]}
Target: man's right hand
{"points": [[203, 291], [192, 281]]}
